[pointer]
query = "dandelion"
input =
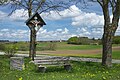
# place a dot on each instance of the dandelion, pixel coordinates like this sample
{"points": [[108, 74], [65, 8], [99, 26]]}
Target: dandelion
{"points": [[107, 72], [72, 75], [53, 76], [104, 72], [20, 78], [118, 77], [104, 78], [92, 75], [67, 76]]}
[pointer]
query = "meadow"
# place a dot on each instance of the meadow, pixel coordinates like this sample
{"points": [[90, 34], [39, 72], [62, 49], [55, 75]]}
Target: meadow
{"points": [[64, 49], [65, 46], [80, 71]]}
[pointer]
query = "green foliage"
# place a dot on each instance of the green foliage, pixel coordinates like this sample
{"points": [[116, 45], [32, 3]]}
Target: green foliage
{"points": [[47, 46], [73, 40], [2, 47], [9, 49], [116, 40], [52, 46], [81, 40], [80, 71], [23, 46], [3, 1]]}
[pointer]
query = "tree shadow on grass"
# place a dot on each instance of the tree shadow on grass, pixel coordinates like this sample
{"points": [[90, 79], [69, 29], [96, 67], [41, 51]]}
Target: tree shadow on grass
{"points": [[52, 69]]}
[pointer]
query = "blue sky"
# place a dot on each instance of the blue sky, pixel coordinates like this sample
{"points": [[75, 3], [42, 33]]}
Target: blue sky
{"points": [[74, 21]]}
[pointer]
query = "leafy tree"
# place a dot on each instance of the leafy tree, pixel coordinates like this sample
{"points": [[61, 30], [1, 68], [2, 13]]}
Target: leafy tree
{"points": [[110, 27], [80, 40], [73, 40], [116, 40], [9, 49]]}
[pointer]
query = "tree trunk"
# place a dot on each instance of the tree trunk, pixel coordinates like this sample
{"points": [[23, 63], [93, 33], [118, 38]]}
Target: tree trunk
{"points": [[33, 43], [107, 36], [30, 14], [107, 46], [109, 31], [30, 49]]}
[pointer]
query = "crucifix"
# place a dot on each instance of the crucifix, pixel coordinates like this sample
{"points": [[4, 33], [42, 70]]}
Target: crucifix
{"points": [[35, 22]]}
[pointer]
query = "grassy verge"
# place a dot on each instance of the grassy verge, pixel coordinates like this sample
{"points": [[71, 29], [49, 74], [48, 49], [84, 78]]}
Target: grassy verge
{"points": [[80, 71], [115, 55], [65, 46]]}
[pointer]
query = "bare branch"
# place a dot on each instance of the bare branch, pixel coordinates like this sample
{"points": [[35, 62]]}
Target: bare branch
{"points": [[14, 7], [40, 4], [51, 7], [113, 5], [100, 2]]}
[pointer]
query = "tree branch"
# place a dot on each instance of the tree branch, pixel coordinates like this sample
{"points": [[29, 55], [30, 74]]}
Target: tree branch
{"points": [[113, 5], [100, 2], [40, 4]]}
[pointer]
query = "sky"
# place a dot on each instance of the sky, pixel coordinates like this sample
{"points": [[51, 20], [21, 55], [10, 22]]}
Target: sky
{"points": [[74, 21]]}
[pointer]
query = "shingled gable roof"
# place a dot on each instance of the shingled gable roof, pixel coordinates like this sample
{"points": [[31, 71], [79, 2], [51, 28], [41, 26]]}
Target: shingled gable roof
{"points": [[32, 18]]}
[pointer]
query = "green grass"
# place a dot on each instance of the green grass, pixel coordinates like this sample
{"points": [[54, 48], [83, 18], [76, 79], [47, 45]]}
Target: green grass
{"points": [[115, 55], [79, 47], [65, 46], [80, 71]]}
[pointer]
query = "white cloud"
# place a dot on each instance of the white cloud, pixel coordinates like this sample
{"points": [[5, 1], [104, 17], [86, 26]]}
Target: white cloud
{"points": [[71, 12], [43, 34], [52, 15], [2, 15], [88, 19], [14, 34], [19, 14], [118, 31], [54, 35], [83, 20], [4, 30], [87, 24]]}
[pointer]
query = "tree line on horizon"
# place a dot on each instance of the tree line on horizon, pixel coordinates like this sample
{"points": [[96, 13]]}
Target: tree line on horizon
{"points": [[87, 41]]}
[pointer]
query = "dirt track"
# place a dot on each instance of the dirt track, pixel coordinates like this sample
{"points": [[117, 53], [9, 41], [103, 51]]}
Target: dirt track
{"points": [[96, 51]]}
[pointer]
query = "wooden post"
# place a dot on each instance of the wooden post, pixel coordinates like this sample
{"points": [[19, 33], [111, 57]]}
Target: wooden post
{"points": [[33, 43], [30, 52], [35, 21]]}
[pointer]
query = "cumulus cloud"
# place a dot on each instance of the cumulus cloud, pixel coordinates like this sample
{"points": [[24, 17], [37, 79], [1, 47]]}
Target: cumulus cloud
{"points": [[43, 34], [88, 19], [19, 14], [84, 22], [67, 13], [2, 15], [87, 24], [57, 34], [14, 34]]}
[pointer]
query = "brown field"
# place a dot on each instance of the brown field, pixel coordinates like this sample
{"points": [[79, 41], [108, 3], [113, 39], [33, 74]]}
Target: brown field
{"points": [[72, 52], [75, 52]]}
